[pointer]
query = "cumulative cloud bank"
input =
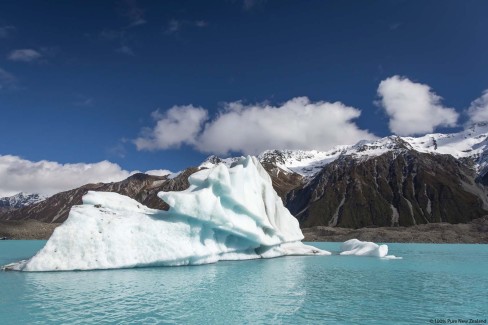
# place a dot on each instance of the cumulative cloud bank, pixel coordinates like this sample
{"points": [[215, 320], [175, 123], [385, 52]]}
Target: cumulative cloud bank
{"points": [[226, 214], [298, 123], [49, 177]]}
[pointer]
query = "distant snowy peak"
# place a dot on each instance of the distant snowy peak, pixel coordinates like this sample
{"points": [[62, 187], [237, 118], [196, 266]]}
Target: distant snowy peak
{"points": [[469, 143], [305, 163], [213, 160], [20, 200]]}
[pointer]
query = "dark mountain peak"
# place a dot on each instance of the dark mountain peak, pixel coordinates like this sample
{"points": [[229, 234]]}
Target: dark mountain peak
{"points": [[19, 200], [213, 159], [273, 157], [393, 189], [141, 177]]}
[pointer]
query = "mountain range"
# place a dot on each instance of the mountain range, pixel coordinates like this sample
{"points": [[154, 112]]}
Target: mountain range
{"points": [[19, 200], [392, 181]]}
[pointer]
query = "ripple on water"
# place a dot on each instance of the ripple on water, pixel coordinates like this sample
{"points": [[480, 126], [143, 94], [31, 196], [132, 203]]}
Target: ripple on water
{"points": [[431, 281]]}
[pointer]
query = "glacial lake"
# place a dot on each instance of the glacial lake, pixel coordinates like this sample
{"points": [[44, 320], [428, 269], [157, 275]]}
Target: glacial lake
{"points": [[431, 284]]}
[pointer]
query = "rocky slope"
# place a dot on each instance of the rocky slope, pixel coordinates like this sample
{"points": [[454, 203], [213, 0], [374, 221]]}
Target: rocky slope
{"points": [[393, 181], [402, 187], [56, 208]]}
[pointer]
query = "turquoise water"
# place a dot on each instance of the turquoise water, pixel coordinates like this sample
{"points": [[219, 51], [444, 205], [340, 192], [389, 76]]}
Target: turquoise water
{"points": [[432, 283]]}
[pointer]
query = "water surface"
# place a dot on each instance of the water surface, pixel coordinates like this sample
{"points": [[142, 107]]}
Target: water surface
{"points": [[431, 282]]}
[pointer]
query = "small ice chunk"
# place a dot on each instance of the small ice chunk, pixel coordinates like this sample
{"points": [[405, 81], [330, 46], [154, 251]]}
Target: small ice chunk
{"points": [[360, 248]]}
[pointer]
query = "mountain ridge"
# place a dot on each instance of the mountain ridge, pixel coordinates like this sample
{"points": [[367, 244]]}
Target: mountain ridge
{"points": [[391, 181], [20, 200]]}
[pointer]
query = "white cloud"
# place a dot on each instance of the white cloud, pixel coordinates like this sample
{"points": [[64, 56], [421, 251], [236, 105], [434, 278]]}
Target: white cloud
{"points": [[49, 177], [179, 125], [478, 110], [24, 55], [412, 107], [296, 124], [251, 129], [159, 172]]}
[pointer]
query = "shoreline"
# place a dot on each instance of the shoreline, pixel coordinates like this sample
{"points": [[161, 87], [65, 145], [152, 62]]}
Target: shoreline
{"points": [[475, 232], [26, 229]]}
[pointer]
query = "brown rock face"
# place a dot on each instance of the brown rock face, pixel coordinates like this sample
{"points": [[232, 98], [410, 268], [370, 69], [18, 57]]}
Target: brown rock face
{"points": [[141, 187], [398, 188], [283, 182]]}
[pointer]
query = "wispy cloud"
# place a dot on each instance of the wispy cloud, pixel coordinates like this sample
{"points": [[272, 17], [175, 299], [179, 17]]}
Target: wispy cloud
{"points": [[120, 37], [7, 80], [395, 26], [201, 23], [124, 49], [84, 101], [24, 55], [123, 35], [175, 26], [6, 31], [250, 4], [49, 51], [118, 150], [134, 13], [111, 35]]}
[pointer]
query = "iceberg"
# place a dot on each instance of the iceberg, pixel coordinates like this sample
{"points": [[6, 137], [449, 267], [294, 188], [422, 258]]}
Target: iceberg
{"points": [[360, 248], [227, 213]]}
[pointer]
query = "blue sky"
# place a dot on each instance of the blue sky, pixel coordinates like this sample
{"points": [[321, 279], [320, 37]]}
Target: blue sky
{"points": [[88, 81]]}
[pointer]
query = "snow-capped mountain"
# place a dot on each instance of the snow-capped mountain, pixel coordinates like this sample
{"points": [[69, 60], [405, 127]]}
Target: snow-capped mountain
{"points": [[20, 200], [471, 143], [385, 182], [214, 160]]}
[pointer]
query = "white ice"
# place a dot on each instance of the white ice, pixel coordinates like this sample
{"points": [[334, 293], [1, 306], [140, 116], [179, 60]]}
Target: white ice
{"points": [[226, 214], [360, 248]]}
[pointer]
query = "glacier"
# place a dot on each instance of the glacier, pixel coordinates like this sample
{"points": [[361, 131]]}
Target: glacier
{"points": [[227, 213]]}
